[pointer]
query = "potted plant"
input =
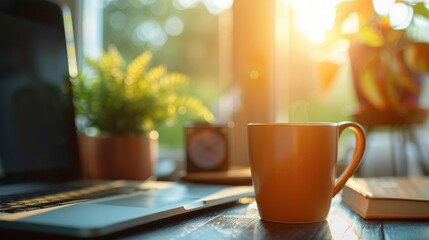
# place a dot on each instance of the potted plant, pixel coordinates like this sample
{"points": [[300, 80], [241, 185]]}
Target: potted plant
{"points": [[387, 58], [119, 106]]}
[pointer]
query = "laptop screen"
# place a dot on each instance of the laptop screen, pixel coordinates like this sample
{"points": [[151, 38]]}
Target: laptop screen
{"points": [[37, 131]]}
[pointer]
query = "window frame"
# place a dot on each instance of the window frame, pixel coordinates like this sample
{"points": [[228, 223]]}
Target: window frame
{"points": [[250, 68]]}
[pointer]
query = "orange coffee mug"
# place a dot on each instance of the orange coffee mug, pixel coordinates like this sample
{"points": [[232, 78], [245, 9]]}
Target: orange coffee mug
{"points": [[293, 168]]}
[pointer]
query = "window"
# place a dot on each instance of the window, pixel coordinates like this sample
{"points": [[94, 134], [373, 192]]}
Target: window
{"points": [[250, 60], [259, 59], [192, 37], [183, 35], [301, 28]]}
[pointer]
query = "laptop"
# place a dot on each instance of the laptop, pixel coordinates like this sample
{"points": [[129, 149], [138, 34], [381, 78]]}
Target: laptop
{"points": [[41, 186]]}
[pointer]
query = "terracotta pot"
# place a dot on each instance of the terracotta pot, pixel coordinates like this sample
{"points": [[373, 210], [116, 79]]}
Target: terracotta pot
{"points": [[118, 157], [404, 108]]}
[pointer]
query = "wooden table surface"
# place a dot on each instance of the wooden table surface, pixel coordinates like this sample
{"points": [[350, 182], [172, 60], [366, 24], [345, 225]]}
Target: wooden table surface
{"points": [[241, 221]]}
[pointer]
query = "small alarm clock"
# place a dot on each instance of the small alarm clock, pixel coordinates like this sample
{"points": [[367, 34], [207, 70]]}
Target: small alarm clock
{"points": [[207, 147]]}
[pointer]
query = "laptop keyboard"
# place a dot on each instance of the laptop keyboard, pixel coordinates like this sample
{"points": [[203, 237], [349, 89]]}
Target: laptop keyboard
{"points": [[59, 195]]}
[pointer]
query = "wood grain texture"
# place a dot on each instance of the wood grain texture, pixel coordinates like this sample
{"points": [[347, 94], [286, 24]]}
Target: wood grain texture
{"points": [[241, 221]]}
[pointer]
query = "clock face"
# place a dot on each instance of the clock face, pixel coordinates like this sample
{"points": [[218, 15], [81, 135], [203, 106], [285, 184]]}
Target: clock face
{"points": [[207, 149]]}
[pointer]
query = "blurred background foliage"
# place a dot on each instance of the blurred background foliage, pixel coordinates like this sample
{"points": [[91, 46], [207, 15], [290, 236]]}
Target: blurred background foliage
{"points": [[183, 36]]}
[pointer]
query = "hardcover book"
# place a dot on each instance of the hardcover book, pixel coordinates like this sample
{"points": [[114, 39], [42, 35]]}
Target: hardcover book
{"points": [[388, 197]]}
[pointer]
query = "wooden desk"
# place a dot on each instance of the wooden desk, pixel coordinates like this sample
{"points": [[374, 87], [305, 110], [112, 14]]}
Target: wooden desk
{"points": [[241, 221]]}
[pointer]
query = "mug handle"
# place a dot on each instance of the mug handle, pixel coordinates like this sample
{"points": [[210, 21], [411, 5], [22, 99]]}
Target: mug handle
{"points": [[357, 155]]}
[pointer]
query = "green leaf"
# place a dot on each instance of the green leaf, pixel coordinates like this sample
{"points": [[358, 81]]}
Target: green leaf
{"points": [[420, 9], [117, 98]]}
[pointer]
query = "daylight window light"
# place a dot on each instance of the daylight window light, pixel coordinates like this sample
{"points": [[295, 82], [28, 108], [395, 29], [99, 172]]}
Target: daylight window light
{"points": [[174, 26], [421, 22], [400, 16], [382, 7], [217, 6], [153, 134], [313, 18], [351, 24], [213, 6], [185, 4]]}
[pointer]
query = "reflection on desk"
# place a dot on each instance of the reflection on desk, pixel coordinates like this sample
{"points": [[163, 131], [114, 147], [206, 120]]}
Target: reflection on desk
{"points": [[241, 221]]}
